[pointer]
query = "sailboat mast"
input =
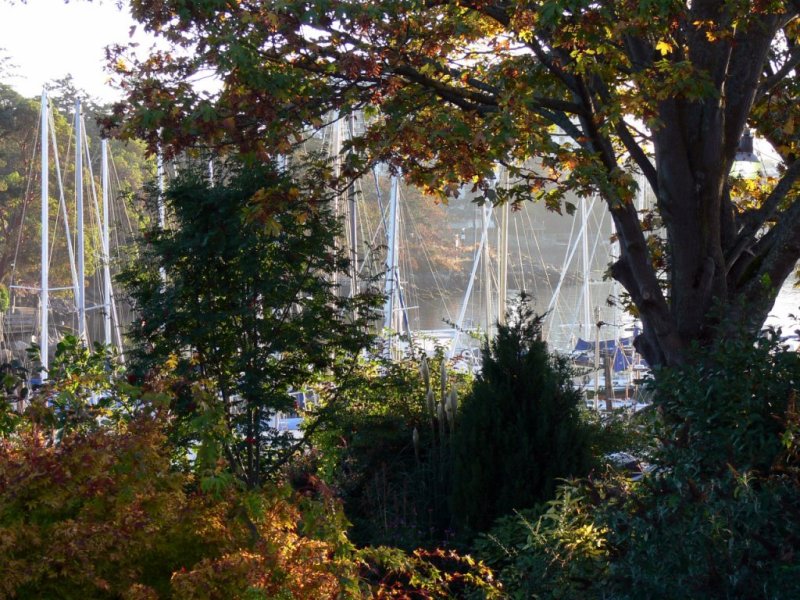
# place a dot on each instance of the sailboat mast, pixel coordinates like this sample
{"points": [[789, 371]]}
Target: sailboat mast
{"points": [[391, 258], [353, 222], [44, 299], [79, 224], [487, 277], [162, 217], [162, 214], [471, 282], [105, 241], [63, 207], [587, 301], [502, 284]]}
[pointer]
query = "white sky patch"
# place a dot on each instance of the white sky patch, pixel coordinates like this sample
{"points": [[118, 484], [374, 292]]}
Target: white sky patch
{"points": [[47, 39]]}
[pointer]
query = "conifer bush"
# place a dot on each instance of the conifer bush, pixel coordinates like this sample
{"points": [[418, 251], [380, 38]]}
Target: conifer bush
{"points": [[520, 429]]}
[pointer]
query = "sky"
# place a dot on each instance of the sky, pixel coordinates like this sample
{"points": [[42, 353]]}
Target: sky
{"points": [[47, 39]]}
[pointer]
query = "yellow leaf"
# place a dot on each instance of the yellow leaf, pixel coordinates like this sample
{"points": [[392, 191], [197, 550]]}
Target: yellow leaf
{"points": [[664, 47]]}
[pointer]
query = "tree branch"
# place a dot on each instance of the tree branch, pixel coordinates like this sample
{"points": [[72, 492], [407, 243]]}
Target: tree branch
{"points": [[465, 99], [769, 83], [753, 221], [774, 263]]}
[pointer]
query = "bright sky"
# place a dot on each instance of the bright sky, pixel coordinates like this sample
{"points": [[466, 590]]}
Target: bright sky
{"points": [[47, 39]]}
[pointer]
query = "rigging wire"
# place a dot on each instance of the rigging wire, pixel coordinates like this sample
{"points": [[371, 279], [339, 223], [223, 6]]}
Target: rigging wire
{"points": [[427, 258], [25, 201]]}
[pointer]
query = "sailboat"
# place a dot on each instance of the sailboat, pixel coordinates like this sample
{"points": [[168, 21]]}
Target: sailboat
{"points": [[47, 330]]}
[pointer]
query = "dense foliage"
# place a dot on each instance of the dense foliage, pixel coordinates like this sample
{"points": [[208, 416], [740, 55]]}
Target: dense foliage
{"points": [[556, 550], [99, 511], [717, 517], [519, 430], [422, 456], [171, 484], [94, 504], [243, 311], [387, 452], [720, 517]]}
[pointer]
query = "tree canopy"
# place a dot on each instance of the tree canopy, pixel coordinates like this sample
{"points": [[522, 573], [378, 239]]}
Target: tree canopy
{"points": [[241, 313], [571, 95]]}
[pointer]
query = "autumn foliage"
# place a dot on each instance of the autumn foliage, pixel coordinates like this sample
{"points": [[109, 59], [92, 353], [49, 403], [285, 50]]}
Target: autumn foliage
{"points": [[102, 514], [96, 502]]}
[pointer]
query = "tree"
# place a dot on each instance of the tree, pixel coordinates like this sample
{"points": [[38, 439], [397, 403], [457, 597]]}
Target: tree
{"points": [[241, 306], [18, 118], [585, 91], [519, 430]]}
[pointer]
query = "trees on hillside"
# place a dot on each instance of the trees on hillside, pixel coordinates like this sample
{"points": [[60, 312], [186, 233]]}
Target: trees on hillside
{"points": [[585, 91], [18, 118], [242, 305]]}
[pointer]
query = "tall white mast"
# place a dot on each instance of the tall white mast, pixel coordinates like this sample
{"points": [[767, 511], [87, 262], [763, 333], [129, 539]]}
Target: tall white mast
{"points": [[336, 151], [105, 242], [502, 284], [44, 342], [462, 313], [79, 224], [63, 205], [587, 301], [487, 274], [391, 258], [162, 217], [353, 223]]}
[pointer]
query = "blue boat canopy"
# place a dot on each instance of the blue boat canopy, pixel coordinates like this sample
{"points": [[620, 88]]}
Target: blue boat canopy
{"points": [[622, 349]]}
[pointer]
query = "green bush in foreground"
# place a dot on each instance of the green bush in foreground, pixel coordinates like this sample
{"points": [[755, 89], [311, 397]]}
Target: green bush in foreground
{"points": [[719, 517], [520, 430]]}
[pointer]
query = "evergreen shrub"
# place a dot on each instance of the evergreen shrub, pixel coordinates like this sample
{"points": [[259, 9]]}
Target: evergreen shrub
{"points": [[520, 430]]}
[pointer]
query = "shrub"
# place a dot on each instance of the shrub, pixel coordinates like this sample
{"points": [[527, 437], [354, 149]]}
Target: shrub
{"points": [[395, 491], [520, 430], [555, 550], [102, 514], [94, 505], [424, 574], [720, 518]]}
